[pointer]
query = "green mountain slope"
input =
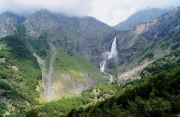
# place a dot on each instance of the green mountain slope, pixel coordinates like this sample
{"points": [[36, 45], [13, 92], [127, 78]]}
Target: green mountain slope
{"points": [[166, 64], [64, 106], [156, 96], [72, 46], [19, 74], [74, 35], [146, 43]]}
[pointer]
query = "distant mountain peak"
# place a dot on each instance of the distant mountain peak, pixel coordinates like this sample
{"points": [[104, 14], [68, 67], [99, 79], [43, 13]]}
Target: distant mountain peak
{"points": [[145, 15], [20, 18]]}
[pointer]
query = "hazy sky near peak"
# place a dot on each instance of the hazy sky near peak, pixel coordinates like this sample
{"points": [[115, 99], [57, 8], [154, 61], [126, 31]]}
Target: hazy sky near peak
{"points": [[110, 12]]}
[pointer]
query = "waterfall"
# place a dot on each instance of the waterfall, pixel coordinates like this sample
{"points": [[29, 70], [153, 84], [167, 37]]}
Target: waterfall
{"points": [[113, 49], [107, 56], [102, 66]]}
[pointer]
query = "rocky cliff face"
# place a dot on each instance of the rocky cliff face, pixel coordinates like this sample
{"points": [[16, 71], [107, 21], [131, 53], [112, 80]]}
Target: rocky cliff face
{"points": [[145, 34], [39, 22], [83, 35], [148, 42], [9, 22], [74, 38]]}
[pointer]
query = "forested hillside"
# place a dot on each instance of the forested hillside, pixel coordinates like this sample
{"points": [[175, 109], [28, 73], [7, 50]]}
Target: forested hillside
{"points": [[19, 75], [153, 96]]}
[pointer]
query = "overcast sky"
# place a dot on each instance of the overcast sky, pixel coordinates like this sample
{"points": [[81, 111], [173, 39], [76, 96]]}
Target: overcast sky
{"points": [[110, 12]]}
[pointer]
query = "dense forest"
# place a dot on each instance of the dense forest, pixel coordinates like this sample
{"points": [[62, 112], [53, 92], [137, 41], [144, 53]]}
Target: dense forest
{"points": [[19, 75], [156, 96]]}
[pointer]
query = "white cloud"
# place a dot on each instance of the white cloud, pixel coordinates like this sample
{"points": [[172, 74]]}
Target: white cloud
{"points": [[108, 11], [114, 11], [72, 7]]}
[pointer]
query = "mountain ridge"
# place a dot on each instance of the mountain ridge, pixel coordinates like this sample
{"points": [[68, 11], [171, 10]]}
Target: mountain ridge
{"points": [[72, 49], [140, 17]]}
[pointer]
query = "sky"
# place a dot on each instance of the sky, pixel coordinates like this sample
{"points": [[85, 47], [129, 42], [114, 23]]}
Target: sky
{"points": [[110, 12]]}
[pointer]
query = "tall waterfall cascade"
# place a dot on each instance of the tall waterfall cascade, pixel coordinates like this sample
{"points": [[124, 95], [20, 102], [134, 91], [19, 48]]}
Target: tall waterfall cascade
{"points": [[106, 57]]}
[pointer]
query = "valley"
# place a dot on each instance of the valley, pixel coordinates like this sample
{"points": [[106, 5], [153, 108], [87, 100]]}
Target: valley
{"points": [[52, 64]]}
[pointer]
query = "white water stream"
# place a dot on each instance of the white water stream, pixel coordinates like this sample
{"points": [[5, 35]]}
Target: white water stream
{"points": [[49, 90], [107, 56]]}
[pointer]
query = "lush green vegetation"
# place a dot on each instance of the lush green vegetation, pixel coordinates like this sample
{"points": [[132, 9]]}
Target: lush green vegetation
{"points": [[64, 106], [166, 64], [77, 66], [40, 45], [56, 108], [19, 74], [3, 108], [156, 97], [87, 67]]}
